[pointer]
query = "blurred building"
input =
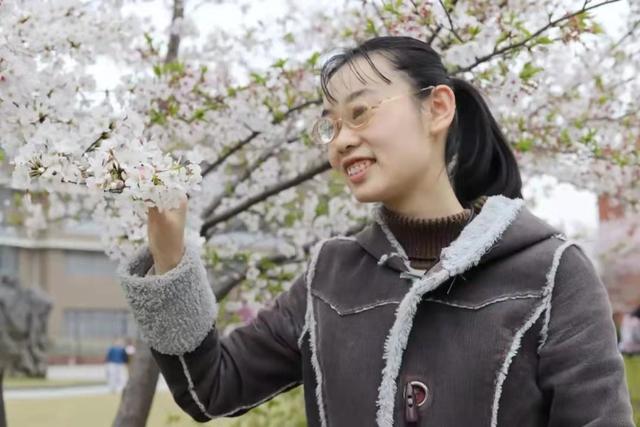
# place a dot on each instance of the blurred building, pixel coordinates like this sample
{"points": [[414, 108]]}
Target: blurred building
{"points": [[89, 309], [619, 240]]}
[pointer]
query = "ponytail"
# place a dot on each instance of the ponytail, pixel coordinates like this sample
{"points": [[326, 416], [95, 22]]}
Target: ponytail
{"points": [[477, 152]]}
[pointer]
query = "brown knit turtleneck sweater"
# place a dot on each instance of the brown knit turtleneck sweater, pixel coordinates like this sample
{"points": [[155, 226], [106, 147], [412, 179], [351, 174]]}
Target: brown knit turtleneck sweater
{"points": [[424, 239]]}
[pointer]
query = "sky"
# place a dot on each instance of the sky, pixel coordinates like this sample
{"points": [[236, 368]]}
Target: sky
{"points": [[573, 210]]}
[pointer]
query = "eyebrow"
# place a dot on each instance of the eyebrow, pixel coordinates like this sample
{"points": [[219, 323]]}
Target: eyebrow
{"points": [[349, 98]]}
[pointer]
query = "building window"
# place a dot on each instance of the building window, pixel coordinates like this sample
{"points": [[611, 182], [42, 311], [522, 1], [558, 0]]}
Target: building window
{"points": [[81, 263], [8, 261], [84, 323]]}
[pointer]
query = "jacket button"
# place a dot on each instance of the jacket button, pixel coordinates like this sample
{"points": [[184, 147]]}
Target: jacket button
{"points": [[420, 391]]}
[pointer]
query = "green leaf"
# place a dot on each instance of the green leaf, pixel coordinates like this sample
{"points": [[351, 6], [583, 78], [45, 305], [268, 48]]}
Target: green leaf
{"points": [[323, 207], [148, 39], [228, 189], [544, 40], [278, 116], [258, 78], [599, 83], [279, 63], [370, 28], [474, 31], [199, 114], [172, 109], [502, 37], [596, 28], [348, 32], [290, 219], [266, 264], [391, 8], [157, 117], [564, 138], [528, 71], [524, 144], [313, 59]]}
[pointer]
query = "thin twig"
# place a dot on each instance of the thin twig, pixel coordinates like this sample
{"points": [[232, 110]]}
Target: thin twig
{"points": [[528, 39], [453, 30]]}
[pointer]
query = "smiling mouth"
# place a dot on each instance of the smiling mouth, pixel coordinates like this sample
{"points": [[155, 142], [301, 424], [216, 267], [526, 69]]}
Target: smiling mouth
{"points": [[358, 167]]}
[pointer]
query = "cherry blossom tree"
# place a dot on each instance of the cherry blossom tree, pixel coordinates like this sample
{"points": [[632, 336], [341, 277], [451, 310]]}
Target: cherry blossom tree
{"points": [[224, 117]]}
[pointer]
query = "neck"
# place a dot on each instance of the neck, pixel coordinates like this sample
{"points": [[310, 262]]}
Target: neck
{"points": [[439, 201]]}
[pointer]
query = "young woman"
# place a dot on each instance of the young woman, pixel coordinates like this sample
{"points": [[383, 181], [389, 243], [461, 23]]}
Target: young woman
{"points": [[456, 306]]}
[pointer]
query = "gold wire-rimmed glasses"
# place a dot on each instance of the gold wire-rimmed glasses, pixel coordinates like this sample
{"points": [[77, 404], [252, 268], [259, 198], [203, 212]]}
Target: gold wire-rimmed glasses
{"points": [[356, 115]]}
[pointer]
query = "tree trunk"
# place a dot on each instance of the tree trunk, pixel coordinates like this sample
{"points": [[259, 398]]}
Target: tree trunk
{"points": [[3, 418], [137, 396]]}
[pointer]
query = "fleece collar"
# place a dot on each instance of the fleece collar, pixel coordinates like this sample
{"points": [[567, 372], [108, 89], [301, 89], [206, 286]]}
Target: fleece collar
{"points": [[474, 243]]}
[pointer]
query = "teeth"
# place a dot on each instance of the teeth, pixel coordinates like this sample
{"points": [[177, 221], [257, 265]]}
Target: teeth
{"points": [[358, 167]]}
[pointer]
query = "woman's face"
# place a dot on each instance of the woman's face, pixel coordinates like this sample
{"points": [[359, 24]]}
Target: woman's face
{"points": [[397, 140]]}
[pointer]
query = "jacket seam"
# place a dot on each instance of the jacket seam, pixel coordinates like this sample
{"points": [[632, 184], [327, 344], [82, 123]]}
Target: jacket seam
{"points": [[551, 275], [261, 401], [486, 303], [201, 406], [354, 310], [191, 388], [310, 324], [531, 320]]}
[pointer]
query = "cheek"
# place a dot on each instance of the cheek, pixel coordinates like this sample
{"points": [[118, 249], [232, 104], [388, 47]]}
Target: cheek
{"points": [[398, 139], [401, 124], [332, 156]]}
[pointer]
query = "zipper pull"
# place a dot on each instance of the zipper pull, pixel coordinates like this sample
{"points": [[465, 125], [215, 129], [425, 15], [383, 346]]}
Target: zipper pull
{"points": [[411, 407]]}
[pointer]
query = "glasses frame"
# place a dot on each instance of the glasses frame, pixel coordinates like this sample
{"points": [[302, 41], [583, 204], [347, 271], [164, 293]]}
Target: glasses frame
{"points": [[337, 123]]}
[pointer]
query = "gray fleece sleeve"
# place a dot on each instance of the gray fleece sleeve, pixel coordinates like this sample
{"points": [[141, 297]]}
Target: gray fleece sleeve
{"points": [[174, 311]]}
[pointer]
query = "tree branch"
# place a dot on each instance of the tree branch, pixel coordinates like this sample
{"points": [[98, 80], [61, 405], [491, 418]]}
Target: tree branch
{"points": [[174, 39], [528, 39], [240, 144], [245, 175], [211, 222], [209, 168]]}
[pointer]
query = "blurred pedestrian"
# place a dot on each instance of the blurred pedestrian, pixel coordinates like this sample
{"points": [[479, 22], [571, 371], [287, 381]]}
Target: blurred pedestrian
{"points": [[630, 333], [116, 361]]}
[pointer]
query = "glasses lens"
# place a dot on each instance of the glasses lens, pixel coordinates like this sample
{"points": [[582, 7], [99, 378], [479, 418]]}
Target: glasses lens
{"points": [[358, 114], [323, 130]]}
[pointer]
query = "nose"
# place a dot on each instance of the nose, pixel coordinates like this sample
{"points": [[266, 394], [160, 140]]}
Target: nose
{"points": [[346, 140]]}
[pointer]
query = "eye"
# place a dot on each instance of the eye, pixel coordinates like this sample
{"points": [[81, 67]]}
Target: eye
{"points": [[357, 111]]}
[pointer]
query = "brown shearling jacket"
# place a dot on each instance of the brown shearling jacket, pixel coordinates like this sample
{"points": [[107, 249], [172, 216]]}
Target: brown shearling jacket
{"points": [[512, 327]]}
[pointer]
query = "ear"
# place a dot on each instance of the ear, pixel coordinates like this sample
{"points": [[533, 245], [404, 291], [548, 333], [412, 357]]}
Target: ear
{"points": [[438, 109]]}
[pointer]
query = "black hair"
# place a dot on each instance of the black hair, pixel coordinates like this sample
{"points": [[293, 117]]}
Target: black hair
{"points": [[477, 154]]}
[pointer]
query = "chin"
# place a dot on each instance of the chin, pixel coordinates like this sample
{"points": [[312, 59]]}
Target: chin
{"points": [[364, 195]]}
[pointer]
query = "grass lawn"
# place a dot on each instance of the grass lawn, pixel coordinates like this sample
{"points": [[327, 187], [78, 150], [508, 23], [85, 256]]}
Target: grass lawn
{"points": [[23, 383], [633, 379], [95, 411]]}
